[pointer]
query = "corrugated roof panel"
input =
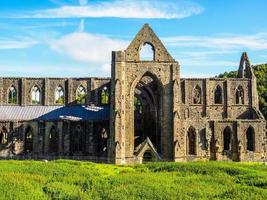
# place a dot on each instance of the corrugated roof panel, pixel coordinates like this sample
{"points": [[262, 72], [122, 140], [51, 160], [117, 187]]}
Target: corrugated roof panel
{"points": [[46, 113]]}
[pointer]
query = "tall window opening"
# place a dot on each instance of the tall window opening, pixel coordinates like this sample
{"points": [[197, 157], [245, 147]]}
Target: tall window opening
{"points": [[239, 94], [53, 140], [77, 140], [80, 95], [3, 135], [28, 146], [12, 95], [146, 102], [191, 138], [218, 95], [36, 95], [59, 95], [147, 52], [250, 137], [227, 139], [104, 96], [197, 95]]}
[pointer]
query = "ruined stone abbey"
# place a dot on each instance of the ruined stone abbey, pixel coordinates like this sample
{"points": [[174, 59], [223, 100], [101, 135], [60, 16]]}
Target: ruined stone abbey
{"points": [[144, 112]]}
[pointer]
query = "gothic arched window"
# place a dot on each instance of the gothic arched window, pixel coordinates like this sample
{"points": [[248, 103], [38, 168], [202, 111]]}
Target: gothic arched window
{"points": [[80, 95], [218, 99], [36, 95], [191, 141], [250, 137], [197, 95], [104, 96], [28, 145], [147, 52], [59, 95], [227, 138], [12, 95], [239, 95]]}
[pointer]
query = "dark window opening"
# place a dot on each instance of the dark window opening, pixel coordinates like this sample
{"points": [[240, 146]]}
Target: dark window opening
{"points": [[191, 137], [226, 139], [250, 136], [218, 95]]}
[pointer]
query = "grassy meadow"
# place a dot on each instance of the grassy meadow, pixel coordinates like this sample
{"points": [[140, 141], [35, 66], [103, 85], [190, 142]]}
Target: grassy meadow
{"points": [[65, 179]]}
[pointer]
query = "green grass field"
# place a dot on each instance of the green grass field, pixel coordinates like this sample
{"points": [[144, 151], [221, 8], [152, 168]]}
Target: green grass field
{"points": [[65, 179]]}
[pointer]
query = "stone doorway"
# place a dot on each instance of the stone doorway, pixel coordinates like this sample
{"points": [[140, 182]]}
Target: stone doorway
{"points": [[147, 115]]}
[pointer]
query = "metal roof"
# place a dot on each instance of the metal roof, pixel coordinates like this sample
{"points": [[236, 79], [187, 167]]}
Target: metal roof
{"points": [[48, 113]]}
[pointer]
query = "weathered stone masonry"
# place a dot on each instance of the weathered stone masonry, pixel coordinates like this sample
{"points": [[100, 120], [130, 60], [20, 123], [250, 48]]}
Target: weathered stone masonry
{"points": [[144, 112]]}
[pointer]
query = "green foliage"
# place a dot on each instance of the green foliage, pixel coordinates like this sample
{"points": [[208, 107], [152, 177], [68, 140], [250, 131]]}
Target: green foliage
{"points": [[60, 100], [260, 72], [65, 179], [80, 98]]}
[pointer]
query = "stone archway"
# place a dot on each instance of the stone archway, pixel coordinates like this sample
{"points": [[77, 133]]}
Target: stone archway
{"points": [[147, 111], [130, 76]]}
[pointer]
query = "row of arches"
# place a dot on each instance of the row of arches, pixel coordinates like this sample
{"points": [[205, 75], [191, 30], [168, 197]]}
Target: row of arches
{"points": [[77, 140], [218, 95], [36, 95], [227, 140]]}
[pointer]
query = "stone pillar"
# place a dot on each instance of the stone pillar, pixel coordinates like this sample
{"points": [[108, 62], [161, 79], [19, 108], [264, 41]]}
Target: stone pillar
{"points": [[35, 138], [69, 98], [60, 136], [1, 91], [66, 139], [228, 100], [207, 98], [23, 92], [46, 138], [90, 138], [46, 92]]}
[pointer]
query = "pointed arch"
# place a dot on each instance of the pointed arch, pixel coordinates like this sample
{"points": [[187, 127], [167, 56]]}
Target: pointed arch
{"points": [[36, 95], [104, 96], [28, 140], [239, 95], [227, 137], [80, 95], [218, 97], [191, 141], [59, 95], [250, 139], [12, 95], [147, 52], [197, 95]]}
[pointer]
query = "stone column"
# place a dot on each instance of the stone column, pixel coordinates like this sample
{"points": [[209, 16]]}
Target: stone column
{"points": [[46, 92], [1, 91], [90, 144], [207, 98], [35, 138], [23, 92], [46, 138], [228, 100], [69, 98], [60, 136], [66, 139]]}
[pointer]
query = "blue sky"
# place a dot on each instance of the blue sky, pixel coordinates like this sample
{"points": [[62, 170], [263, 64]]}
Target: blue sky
{"points": [[74, 38]]}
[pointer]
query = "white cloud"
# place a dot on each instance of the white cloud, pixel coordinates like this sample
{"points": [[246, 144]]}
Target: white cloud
{"points": [[121, 9], [87, 47], [255, 42], [7, 43]]}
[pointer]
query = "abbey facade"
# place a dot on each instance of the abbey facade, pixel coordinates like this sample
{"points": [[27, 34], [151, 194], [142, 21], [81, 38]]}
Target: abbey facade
{"points": [[144, 112]]}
